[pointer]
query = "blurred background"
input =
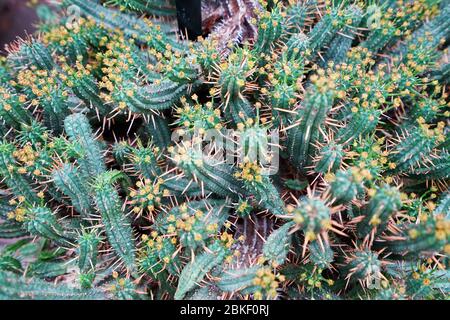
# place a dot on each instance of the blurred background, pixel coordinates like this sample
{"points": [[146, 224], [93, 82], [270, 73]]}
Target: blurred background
{"points": [[16, 19]]}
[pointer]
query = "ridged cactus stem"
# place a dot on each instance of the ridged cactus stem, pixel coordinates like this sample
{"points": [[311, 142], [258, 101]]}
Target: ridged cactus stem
{"points": [[115, 223]]}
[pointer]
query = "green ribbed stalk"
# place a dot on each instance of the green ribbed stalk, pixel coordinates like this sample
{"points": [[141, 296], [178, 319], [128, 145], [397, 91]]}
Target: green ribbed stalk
{"points": [[194, 272], [309, 120], [115, 223], [382, 205], [16, 287], [16, 182], [68, 179], [90, 154], [219, 178], [41, 221]]}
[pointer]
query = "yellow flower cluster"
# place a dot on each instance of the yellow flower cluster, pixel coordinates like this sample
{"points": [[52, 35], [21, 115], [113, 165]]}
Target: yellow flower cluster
{"points": [[268, 283], [437, 132], [155, 241], [64, 36], [243, 207], [147, 196], [250, 171], [324, 83], [18, 214], [74, 72], [26, 155], [191, 223], [42, 83], [197, 116], [442, 229]]}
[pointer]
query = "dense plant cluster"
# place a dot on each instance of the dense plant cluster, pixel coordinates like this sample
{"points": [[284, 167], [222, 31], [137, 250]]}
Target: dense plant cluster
{"points": [[97, 200]]}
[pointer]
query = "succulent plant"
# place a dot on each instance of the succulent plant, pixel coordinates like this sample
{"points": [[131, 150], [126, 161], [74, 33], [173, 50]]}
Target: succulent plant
{"points": [[298, 152]]}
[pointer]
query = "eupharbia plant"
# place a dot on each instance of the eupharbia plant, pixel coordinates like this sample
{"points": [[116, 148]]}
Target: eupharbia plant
{"points": [[95, 192]]}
